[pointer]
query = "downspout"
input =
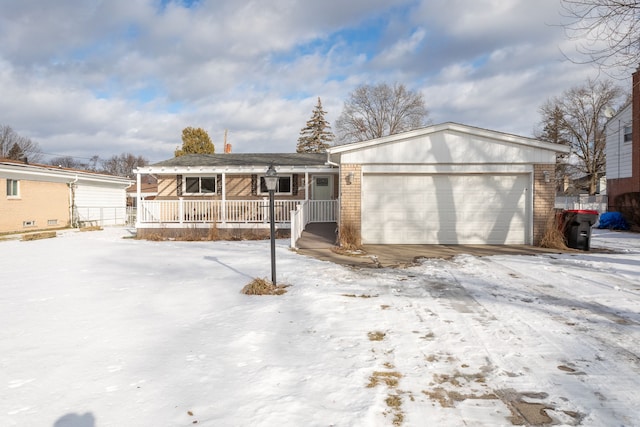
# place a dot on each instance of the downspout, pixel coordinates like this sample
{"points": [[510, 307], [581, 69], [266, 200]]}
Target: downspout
{"points": [[72, 202]]}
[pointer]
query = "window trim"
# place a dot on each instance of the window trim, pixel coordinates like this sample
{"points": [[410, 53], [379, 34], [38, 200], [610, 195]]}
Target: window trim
{"points": [[266, 193], [199, 177], [10, 194]]}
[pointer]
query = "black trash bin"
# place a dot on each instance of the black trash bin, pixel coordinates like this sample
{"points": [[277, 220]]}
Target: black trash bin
{"points": [[577, 225]]}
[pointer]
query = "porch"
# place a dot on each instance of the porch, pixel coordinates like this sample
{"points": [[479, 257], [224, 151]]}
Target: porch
{"points": [[294, 215]]}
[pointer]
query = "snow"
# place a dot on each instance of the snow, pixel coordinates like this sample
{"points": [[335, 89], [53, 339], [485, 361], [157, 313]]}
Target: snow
{"points": [[99, 329]]}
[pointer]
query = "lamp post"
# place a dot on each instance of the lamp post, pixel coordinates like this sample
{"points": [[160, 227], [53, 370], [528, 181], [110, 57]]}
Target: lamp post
{"points": [[271, 181]]}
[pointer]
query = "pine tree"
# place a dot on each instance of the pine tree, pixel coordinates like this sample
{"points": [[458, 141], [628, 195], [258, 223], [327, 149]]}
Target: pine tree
{"points": [[316, 136], [16, 152], [195, 141]]}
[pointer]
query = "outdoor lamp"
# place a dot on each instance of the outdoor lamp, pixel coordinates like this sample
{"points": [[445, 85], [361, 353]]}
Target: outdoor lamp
{"points": [[349, 178], [271, 181]]}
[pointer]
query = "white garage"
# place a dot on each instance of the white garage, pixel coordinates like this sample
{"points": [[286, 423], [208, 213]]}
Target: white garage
{"points": [[447, 184]]}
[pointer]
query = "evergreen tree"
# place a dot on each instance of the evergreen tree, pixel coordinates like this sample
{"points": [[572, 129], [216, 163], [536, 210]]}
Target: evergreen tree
{"points": [[16, 152], [316, 136], [195, 141]]}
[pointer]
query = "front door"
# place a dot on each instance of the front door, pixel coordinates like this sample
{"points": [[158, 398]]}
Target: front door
{"points": [[321, 189]]}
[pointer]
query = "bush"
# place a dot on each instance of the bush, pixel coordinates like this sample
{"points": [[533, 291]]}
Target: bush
{"points": [[263, 287]]}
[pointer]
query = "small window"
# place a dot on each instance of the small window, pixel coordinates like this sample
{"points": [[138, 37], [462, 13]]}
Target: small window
{"points": [[13, 189], [199, 185], [52, 222], [31, 223], [627, 134], [283, 187], [322, 182]]}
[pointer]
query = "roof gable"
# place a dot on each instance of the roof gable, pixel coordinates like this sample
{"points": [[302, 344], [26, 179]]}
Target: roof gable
{"points": [[448, 143]]}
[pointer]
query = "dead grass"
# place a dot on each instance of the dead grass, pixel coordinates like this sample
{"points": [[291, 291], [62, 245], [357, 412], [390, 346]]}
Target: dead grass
{"points": [[393, 400], [38, 236], [390, 379], [376, 335], [553, 237], [91, 228], [349, 237], [263, 287], [359, 296]]}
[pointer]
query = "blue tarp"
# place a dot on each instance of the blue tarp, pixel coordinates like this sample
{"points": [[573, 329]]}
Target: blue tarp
{"points": [[613, 221]]}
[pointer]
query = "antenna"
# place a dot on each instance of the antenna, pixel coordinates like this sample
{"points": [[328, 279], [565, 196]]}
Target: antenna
{"points": [[609, 112]]}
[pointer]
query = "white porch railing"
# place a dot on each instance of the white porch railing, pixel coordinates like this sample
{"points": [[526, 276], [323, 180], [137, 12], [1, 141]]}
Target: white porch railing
{"points": [[213, 211], [312, 211]]}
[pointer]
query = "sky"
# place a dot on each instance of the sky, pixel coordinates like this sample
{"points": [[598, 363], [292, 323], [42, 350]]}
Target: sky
{"points": [[115, 331], [112, 76]]}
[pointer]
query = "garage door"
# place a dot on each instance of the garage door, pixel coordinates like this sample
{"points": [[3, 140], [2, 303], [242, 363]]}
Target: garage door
{"points": [[444, 209]]}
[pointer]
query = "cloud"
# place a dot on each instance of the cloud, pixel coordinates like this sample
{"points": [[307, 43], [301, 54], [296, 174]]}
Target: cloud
{"points": [[105, 77]]}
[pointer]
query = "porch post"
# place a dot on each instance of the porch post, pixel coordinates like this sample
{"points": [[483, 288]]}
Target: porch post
{"points": [[307, 186], [138, 197], [223, 214]]}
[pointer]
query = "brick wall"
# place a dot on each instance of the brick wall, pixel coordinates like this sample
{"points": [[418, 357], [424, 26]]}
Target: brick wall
{"points": [[38, 202], [350, 197], [543, 199]]}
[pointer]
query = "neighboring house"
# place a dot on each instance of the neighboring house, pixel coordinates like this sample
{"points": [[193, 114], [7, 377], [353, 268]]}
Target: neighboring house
{"points": [[447, 183], [42, 197], [623, 156], [196, 191], [148, 190]]}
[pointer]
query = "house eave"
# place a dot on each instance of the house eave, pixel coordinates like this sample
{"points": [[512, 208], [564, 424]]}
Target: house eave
{"points": [[240, 170]]}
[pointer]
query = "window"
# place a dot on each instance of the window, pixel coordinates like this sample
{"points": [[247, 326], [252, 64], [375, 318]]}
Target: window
{"points": [[199, 185], [283, 187], [13, 188], [627, 133]]}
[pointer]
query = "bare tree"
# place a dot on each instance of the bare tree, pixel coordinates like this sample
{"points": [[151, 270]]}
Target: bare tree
{"points": [[68, 162], [577, 117], [608, 31], [12, 143], [374, 111], [123, 164]]}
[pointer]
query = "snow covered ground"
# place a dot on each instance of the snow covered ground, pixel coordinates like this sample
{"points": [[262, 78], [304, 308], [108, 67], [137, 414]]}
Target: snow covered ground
{"points": [[100, 330]]}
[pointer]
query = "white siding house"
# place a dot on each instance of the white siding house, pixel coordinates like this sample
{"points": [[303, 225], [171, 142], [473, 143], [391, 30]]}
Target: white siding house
{"points": [[619, 144]]}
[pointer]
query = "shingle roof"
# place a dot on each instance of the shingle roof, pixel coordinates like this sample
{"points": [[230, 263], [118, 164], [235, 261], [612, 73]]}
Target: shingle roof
{"points": [[247, 159]]}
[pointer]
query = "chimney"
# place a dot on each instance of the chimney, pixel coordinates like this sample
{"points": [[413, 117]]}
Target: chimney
{"points": [[227, 147]]}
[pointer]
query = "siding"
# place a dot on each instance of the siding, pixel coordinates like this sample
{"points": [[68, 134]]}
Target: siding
{"points": [[104, 205], [619, 159]]}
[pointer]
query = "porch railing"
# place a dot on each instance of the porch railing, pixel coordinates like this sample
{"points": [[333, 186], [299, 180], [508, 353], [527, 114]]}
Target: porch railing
{"points": [[214, 211], [312, 211]]}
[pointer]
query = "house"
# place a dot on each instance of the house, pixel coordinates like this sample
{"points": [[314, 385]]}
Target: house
{"points": [[623, 157], [40, 197], [148, 190], [446, 183], [196, 191]]}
